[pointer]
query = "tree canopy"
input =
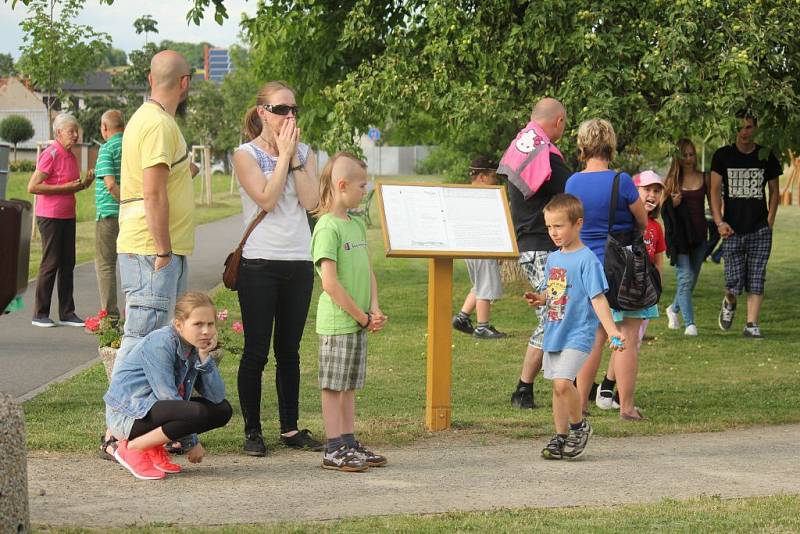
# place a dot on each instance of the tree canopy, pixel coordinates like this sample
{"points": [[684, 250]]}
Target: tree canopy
{"points": [[16, 129], [7, 67]]}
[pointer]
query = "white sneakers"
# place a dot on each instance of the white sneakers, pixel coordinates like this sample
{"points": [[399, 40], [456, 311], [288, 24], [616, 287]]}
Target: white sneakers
{"points": [[605, 403], [691, 330], [673, 321]]}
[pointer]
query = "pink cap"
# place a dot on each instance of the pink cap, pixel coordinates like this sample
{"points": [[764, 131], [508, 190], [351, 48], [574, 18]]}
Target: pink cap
{"points": [[646, 178]]}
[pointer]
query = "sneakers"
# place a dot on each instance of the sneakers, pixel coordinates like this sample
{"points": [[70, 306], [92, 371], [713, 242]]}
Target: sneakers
{"points": [[523, 399], [726, 314], [605, 399], [72, 320], [488, 332], [43, 322], [691, 330], [137, 462], [302, 440], [752, 331], [555, 449], [577, 440], [161, 460], [463, 324], [344, 459], [254, 444], [370, 458], [673, 319]]}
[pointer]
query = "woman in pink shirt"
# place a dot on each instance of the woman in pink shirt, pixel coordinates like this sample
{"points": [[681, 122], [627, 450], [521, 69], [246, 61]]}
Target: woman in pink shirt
{"points": [[55, 182]]}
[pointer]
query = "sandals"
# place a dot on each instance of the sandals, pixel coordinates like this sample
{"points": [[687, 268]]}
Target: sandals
{"points": [[104, 445], [638, 417]]}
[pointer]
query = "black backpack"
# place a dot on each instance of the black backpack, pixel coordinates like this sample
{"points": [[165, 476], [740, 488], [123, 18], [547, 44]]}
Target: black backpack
{"points": [[633, 281]]}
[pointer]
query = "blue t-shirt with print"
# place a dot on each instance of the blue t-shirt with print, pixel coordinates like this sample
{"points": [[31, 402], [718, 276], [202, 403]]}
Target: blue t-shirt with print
{"points": [[594, 191], [572, 279]]}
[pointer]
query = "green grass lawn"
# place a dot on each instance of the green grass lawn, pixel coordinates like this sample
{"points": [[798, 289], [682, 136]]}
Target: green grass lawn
{"points": [[763, 514], [713, 382], [224, 204]]}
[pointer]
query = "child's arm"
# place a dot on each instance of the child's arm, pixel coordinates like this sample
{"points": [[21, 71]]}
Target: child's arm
{"points": [[378, 319], [603, 311], [338, 294]]}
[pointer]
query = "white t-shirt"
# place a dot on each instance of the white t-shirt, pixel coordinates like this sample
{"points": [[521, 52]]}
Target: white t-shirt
{"points": [[284, 233]]}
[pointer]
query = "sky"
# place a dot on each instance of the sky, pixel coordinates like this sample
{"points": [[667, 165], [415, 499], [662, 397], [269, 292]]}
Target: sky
{"points": [[117, 21]]}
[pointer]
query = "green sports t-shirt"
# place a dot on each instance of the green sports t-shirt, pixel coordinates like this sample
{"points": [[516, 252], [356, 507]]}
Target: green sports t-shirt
{"points": [[345, 242], [109, 158]]}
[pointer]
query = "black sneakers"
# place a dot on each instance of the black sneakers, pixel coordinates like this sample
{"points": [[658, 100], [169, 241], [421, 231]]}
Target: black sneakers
{"points": [[254, 444], [752, 331], [555, 449], [302, 440], [370, 458], [344, 459], [523, 399], [463, 324], [577, 440], [488, 332], [726, 314]]}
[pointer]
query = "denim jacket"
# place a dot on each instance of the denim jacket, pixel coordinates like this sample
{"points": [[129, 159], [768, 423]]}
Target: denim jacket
{"points": [[158, 368]]}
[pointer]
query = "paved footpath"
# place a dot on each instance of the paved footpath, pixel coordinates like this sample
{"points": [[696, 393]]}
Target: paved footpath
{"points": [[31, 357], [441, 474]]}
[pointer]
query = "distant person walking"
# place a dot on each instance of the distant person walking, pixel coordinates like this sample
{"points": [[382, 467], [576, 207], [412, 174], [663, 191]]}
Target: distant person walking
{"points": [[107, 174], [744, 220], [277, 175], [54, 182], [547, 123]]}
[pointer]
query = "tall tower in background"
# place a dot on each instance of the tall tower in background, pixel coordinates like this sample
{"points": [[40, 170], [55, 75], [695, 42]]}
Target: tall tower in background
{"points": [[217, 63]]}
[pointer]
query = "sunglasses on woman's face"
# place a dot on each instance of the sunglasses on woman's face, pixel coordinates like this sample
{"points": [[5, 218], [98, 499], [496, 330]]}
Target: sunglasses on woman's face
{"points": [[281, 109]]}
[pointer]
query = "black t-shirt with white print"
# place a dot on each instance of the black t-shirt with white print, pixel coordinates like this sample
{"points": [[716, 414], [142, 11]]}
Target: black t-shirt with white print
{"points": [[744, 180]]}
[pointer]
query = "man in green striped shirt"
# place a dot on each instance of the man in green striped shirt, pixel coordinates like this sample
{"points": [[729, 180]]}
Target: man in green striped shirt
{"points": [[107, 172]]}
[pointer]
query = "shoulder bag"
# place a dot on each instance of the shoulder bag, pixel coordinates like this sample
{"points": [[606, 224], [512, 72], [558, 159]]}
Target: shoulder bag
{"points": [[231, 273]]}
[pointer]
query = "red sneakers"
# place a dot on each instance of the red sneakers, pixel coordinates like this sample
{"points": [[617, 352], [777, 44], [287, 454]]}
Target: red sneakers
{"points": [[161, 460], [137, 462]]}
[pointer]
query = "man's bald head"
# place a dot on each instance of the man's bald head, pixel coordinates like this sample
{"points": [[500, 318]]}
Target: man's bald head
{"points": [[166, 70], [112, 119], [551, 115]]}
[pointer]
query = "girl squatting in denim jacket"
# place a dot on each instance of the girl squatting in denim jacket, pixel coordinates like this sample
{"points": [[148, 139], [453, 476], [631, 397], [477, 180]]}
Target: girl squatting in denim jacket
{"points": [[149, 402]]}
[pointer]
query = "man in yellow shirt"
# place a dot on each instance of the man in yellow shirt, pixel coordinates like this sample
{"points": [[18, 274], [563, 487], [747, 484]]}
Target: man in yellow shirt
{"points": [[156, 225]]}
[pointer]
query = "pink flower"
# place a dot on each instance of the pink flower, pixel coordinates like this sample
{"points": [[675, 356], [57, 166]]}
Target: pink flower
{"points": [[102, 314], [222, 315], [237, 327], [92, 324]]}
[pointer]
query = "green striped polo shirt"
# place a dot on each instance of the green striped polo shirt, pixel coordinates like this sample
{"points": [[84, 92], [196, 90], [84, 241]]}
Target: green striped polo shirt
{"points": [[109, 158]]}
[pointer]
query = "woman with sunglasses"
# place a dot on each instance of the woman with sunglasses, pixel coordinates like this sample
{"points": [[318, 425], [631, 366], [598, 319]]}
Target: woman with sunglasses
{"points": [[277, 174]]}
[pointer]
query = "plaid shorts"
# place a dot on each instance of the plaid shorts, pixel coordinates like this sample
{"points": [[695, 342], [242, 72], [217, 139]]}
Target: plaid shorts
{"points": [[746, 257], [343, 361], [533, 263]]}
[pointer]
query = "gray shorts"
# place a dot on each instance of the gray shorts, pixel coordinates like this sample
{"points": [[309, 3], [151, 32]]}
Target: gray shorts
{"points": [[564, 364], [533, 263], [485, 278], [343, 361]]}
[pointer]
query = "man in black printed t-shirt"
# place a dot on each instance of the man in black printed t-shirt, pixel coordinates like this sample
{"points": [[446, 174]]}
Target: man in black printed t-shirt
{"points": [[746, 222]]}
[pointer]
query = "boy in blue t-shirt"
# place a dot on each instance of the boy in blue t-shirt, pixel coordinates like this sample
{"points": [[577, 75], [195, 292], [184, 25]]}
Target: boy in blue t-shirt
{"points": [[574, 293]]}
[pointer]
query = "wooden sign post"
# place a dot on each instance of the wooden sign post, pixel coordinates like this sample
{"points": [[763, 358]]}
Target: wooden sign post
{"points": [[443, 222]]}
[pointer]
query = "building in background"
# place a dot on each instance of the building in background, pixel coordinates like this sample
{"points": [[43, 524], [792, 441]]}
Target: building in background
{"points": [[217, 63], [17, 98]]}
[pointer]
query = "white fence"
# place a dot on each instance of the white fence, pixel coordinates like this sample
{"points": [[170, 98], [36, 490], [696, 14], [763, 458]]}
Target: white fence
{"points": [[388, 160]]}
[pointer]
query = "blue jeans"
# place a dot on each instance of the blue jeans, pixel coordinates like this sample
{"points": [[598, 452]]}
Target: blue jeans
{"points": [[687, 269], [150, 295]]}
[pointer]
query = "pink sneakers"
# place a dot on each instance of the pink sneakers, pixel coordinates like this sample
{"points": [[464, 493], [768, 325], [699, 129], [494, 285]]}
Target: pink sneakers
{"points": [[161, 460], [137, 462]]}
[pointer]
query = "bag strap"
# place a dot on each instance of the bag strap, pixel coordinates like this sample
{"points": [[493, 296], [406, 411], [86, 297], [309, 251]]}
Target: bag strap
{"points": [[612, 211], [250, 228]]}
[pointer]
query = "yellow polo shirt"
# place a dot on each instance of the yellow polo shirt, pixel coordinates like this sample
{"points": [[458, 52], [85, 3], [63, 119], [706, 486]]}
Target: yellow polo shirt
{"points": [[152, 137]]}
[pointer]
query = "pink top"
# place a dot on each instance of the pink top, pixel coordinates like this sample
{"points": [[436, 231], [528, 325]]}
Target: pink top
{"points": [[61, 167]]}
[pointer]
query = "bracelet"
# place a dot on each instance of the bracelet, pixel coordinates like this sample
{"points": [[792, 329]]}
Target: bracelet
{"points": [[369, 320], [720, 223], [166, 255]]}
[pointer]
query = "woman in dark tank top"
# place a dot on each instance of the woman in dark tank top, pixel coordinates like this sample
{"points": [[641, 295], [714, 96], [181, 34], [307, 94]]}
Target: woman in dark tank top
{"points": [[685, 231]]}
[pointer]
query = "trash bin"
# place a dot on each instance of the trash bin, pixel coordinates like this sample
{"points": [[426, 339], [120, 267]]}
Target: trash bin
{"points": [[15, 249], [4, 151]]}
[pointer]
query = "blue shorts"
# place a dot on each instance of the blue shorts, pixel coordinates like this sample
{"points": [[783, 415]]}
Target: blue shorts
{"points": [[647, 313]]}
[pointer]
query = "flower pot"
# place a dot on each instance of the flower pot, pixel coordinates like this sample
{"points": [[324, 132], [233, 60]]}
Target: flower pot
{"points": [[107, 356]]}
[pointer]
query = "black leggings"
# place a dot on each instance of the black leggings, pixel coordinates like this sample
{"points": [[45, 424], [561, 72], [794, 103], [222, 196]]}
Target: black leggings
{"points": [[181, 418], [272, 293]]}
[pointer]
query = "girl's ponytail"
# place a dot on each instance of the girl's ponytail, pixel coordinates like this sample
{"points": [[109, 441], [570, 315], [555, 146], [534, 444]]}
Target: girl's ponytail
{"points": [[325, 188], [252, 124]]}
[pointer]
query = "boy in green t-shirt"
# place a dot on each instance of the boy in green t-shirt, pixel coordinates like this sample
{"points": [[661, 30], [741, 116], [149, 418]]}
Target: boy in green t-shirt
{"points": [[348, 307]]}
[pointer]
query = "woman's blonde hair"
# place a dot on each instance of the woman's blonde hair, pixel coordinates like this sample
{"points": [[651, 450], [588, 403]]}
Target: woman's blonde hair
{"points": [[190, 300], [674, 179], [326, 182], [596, 139], [252, 122]]}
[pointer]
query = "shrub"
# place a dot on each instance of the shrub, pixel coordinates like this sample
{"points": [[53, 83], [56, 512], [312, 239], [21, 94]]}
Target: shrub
{"points": [[22, 165]]}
